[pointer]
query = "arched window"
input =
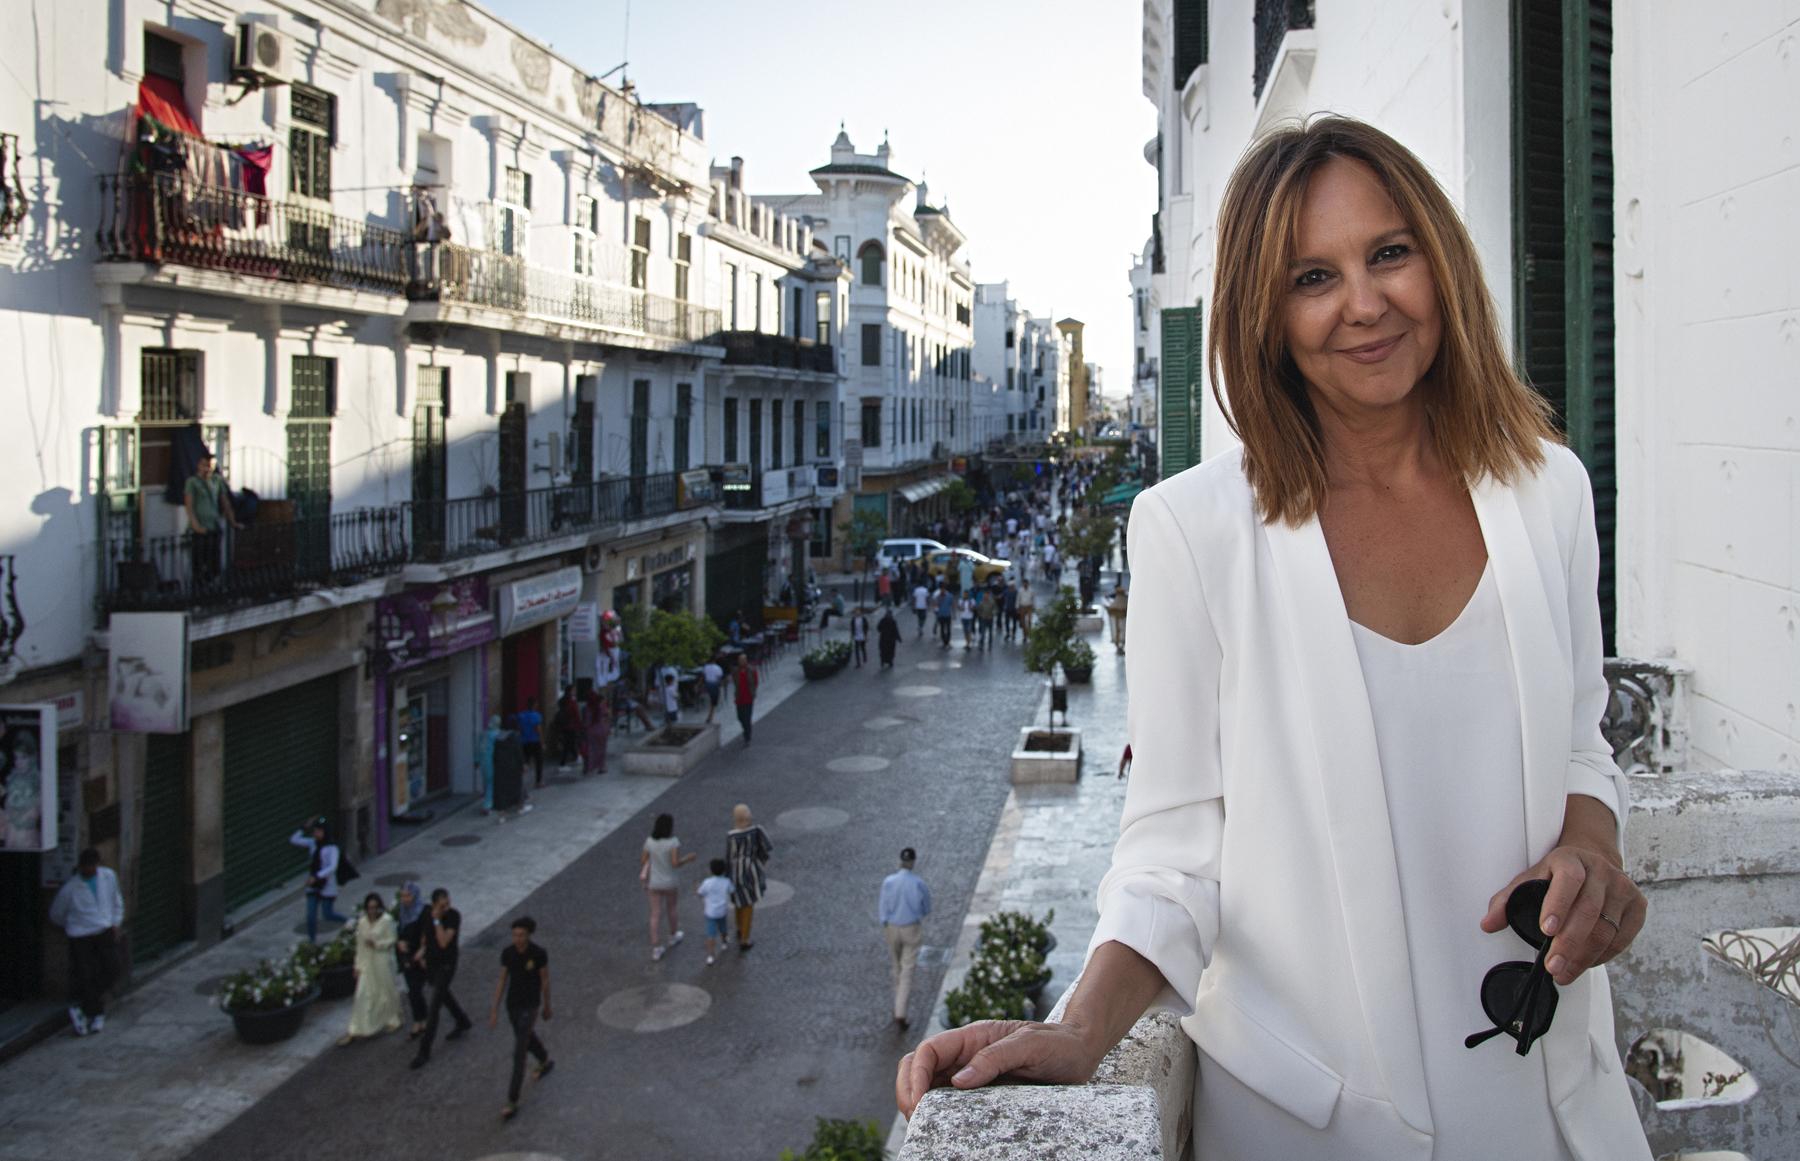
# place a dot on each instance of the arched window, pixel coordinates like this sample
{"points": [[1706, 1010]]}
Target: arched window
{"points": [[871, 256]]}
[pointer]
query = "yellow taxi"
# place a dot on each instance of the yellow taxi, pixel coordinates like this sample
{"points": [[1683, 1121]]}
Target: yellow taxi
{"points": [[948, 562]]}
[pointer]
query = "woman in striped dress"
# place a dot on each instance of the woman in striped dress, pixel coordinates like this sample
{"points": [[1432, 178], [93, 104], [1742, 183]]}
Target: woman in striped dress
{"points": [[747, 848]]}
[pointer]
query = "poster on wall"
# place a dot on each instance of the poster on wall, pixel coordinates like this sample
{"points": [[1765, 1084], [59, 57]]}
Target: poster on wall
{"points": [[584, 623], [147, 673], [27, 777]]}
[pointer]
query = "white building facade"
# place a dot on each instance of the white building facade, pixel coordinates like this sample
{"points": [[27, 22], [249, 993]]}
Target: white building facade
{"points": [[452, 310]]}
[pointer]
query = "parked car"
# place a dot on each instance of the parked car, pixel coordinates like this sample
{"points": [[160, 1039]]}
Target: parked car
{"points": [[949, 562], [901, 548]]}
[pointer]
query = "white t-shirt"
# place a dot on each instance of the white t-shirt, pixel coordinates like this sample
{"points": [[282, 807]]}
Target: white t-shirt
{"points": [[715, 891], [671, 697], [921, 598], [711, 673], [1012, 525]]}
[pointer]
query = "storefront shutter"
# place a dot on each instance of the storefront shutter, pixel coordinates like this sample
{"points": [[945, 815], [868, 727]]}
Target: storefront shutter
{"points": [[281, 769], [158, 916]]}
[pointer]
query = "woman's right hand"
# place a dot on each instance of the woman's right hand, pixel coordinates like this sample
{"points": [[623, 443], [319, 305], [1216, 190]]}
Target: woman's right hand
{"points": [[980, 1053]]}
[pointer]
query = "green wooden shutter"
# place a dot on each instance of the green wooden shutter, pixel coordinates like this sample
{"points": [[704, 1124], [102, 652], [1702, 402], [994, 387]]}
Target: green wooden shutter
{"points": [[1182, 357], [281, 769], [159, 912], [1190, 39], [1563, 230]]}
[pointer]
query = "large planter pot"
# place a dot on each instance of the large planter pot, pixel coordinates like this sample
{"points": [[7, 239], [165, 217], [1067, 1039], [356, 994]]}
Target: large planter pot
{"points": [[654, 756], [272, 1027], [1032, 762], [337, 983], [816, 672], [1034, 991], [1079, 674]]}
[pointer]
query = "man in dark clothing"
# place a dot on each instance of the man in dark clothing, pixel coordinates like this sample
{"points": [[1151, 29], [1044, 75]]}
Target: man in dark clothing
{"points": [[743, 683], [524, 983], [439, 955], [887, 633]]}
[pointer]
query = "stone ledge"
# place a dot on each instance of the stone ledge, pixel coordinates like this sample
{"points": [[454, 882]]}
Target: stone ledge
{"points": [[1721, 824], [1095, 1122]]}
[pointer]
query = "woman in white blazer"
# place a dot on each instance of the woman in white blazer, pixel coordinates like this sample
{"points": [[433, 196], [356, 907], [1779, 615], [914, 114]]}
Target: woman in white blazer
{"points": [[1368, 654]]}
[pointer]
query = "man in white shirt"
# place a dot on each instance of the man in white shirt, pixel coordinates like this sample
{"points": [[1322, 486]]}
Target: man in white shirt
{"points": [[859, 635], [89, 910], [921, 603]]}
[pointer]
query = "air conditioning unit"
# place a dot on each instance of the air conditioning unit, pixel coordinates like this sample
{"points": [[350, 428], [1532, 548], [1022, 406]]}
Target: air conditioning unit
{"points": [[263, 51]]}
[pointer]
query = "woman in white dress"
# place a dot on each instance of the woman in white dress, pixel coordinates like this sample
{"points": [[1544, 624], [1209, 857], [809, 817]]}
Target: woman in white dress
{"points": [[1367, 690], [376, 1007]]}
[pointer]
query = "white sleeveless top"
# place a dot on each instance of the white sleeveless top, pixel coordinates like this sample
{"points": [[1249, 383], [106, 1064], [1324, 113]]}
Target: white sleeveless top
{"points": [[1447, 729]]}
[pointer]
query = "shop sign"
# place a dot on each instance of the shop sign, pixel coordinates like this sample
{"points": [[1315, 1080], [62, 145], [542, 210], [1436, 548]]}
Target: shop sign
{"points": [[433, 621], [539, 599], [828, 476], [28, 777], [695, 488], [775, 488], [736, 478], [147, 673], [584, 623], [654, 562], [71, 710], [960, 465]]}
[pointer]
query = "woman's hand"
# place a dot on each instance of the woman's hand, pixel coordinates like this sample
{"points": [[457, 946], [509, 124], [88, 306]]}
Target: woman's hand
{"points": [[979, 1053], [1593, 911]]}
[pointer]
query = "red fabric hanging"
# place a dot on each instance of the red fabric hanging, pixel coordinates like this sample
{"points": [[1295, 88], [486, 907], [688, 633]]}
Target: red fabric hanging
{"points": [[161, 98]]}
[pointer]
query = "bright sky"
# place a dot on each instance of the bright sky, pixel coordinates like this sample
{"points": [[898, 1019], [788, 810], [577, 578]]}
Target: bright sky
{"points": [[1026, 116]]}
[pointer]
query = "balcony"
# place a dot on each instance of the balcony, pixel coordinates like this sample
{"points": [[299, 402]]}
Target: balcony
{"points": [[260, 563], [169, 218], [464, 283], [276, 559], [756, 349], [1273, 20]]}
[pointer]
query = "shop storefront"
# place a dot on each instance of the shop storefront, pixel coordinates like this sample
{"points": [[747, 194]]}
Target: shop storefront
{"points": [[666, 570], [535, 646], [430, 695]]}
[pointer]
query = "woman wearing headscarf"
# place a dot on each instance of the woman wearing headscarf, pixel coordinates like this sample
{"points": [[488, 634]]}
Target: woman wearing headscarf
{"points": [[596, 717], [887, 636], [377, 1005], [410, 929], [747, 848]]}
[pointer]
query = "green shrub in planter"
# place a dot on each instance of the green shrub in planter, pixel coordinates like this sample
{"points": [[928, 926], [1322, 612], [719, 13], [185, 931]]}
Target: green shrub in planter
{"points": [[842, 1141], [268, 987], [1020, 927], [987, 993]]}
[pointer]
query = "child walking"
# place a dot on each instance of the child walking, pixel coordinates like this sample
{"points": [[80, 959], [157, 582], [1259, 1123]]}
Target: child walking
{"points": [[715, 895]]}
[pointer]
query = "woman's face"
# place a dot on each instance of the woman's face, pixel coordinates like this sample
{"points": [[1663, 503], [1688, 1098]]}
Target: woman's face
{"points": [[1360, 315], [374, 908]]}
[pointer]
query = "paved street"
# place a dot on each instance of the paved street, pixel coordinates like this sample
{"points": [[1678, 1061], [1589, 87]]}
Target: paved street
{"points": [[843, 774]]}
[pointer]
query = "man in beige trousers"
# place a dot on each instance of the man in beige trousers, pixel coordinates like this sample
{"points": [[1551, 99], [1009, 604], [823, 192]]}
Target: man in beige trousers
{"points": [[905, 902]]}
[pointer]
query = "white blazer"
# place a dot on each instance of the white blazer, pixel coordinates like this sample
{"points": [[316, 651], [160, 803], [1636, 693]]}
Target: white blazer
{"points": [[1255, 865]]}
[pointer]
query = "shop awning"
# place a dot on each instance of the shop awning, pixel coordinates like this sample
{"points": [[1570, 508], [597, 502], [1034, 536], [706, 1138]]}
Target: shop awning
{"points": [[913, 493], [1121, 494]]}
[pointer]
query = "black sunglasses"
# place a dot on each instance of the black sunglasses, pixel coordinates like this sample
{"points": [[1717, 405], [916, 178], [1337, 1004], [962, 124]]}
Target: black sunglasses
{"points": [[1520, 997]]}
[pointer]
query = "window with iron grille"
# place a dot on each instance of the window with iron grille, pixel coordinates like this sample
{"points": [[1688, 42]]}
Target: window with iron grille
{"points": [[313, 115], [517, 188], [512, 216], [684, 419], [822, 320], [170, 385], [315, 388], [587, 389], [684, 257], [1190, 39], [640, 254], [162, 57]]}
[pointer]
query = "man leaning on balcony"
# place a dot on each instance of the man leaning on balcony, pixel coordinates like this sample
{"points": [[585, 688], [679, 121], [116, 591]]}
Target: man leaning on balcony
{"points": [[206, 499]]}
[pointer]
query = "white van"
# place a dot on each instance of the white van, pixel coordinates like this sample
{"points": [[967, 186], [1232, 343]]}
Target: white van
{"points": [[894, 551]]}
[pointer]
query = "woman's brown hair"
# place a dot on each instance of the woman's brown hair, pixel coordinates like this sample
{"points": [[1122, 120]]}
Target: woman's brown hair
{"points": [[1484, 419]]}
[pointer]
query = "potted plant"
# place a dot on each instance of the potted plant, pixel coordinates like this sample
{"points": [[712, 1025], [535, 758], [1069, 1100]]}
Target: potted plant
{"points": [[1078, 661], [835, 1140], [1052, 632], [987, 993], [1021, 927], [334, 963], [826, 660], [268, 1002]]}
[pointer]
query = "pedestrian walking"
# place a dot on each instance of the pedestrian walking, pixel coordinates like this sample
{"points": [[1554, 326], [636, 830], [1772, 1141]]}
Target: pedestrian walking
{"points": [[1027, 606], [484, 760], [596, 720], [531, 737], [439, 953], [887, 633], [321, 875], [965, 612], [411, 922], [671, 698], [985, 611], [90, 911], [884, 588], [965, 575], [1009, 609], [376, 1008], [524, 984], [904, 904], [712, 676], [715, 903], [1116, 610], [657, 866], [946, 609], [744, 681], [859, 635], [747, 851], [569, 732], [921, 598]]}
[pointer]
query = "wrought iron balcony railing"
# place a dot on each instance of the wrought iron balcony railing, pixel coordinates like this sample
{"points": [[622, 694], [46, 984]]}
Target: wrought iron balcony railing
{"points": [[1273, 20], [170, 217], [258, 563], [446, 272], [756, 349], [453, 529]]}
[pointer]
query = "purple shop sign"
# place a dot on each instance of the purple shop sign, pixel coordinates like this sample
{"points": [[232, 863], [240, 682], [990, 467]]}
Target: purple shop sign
{"points": [[431, 621]]}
